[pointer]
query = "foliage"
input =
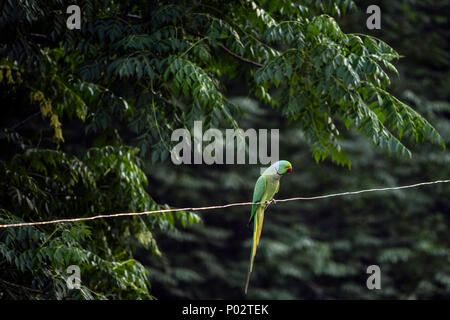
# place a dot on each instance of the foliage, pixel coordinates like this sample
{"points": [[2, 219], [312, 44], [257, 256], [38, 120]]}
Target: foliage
{"points": [[43, 184], [324, 79], [87, 125]]}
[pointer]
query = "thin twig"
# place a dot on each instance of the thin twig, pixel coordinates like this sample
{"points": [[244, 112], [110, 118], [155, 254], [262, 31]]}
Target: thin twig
{"points": [[231, 53], [21, 287], [125, 214], [17, 125]]}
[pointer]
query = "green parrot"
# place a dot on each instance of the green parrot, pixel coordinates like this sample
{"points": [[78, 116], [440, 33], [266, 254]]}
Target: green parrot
{"points": [[265, 188]]}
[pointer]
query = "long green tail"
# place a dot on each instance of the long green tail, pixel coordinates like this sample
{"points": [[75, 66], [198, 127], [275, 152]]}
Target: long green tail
{"points": [[257, 226]]}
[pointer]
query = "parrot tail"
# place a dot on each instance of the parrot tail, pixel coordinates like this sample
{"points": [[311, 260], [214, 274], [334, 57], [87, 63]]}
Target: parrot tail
{"points": [[246, 284], [252, 257], [257, 226]]}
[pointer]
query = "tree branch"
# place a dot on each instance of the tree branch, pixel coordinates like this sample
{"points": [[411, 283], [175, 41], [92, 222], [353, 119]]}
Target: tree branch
{"points": [[42, 38], [21, 287], [231, 53], [17, 125], [228, 51]]}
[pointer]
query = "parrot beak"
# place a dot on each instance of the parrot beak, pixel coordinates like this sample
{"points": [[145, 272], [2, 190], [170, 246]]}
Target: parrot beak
{"points": [[289, 170]]}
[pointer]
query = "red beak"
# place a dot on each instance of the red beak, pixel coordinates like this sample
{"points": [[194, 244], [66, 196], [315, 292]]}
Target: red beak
{"points": [[290, 170]]}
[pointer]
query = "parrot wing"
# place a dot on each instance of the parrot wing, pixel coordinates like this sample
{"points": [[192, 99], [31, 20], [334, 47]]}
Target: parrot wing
{"points": [[258, 193]]}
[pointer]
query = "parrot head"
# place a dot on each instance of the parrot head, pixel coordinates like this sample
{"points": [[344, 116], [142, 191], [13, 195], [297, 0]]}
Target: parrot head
{"points": [[283, 167]]}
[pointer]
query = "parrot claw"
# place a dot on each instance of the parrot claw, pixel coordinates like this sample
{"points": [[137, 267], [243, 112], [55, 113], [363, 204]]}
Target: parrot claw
{"points": [[268, 202]]}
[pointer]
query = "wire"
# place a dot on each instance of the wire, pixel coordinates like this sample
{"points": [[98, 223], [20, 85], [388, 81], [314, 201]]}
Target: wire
{"points": [[126, 214]]}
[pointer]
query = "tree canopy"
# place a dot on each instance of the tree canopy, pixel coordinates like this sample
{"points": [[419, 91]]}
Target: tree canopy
{"points": [[89, 114]]}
